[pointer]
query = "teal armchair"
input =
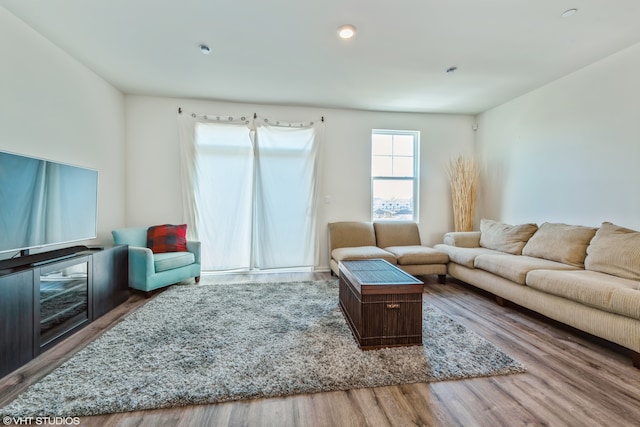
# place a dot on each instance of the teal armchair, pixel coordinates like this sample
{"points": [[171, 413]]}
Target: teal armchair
{"points": [[149, 271]]}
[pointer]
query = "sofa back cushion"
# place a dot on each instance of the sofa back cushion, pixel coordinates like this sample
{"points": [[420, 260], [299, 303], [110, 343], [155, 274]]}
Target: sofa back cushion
{"points": [[132, 236], [615, 250], [504, 237], [560, 242], [348, 234], [397, 233]]}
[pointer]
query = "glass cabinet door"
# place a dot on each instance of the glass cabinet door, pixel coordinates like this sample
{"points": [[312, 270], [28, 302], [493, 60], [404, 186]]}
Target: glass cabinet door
{"points": [[64, 296]]}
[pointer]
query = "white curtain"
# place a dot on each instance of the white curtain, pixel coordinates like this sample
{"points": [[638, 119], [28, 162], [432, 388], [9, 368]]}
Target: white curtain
{"points": [[250, 191], [224, 165], [218, 164], [286, 195]]}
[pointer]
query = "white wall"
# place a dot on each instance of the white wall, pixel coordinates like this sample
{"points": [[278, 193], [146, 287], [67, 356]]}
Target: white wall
{"points": [[567, 152], [153, 169], [53, 107]]}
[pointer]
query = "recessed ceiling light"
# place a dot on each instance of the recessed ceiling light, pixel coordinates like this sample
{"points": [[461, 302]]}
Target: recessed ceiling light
{"points": [[451, 70], [346, 31], [569, 12], [204, 49]]}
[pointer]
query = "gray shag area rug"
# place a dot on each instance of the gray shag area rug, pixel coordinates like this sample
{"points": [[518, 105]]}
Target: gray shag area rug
{"points": [[196, 344]]}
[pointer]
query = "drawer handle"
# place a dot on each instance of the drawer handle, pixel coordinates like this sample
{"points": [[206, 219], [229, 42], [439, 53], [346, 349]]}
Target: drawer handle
{"points": [[393, 306]]}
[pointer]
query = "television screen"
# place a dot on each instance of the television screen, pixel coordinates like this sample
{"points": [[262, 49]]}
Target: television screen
{"points": [[45, 203]]}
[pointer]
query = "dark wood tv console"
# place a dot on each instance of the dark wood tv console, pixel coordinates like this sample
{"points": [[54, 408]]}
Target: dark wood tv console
{"points": [[50, 298], [40, 258]]}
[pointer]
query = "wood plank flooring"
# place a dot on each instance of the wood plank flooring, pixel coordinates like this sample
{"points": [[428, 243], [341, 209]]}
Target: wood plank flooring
{"points": [[571, 380]]}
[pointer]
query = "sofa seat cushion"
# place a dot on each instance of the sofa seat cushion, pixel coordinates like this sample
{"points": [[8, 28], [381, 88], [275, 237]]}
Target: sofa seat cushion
{"points": [[170, 260], [362, 252], [560, 242], [417, 255], [465, 256], [516, 267], [615, 250], [603, 291]]}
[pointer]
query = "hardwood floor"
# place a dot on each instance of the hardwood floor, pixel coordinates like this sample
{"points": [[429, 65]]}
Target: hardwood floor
{"points": [[571, 380]]}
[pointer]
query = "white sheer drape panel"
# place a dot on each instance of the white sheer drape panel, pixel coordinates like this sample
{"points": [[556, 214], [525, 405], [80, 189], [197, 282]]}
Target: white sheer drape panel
{"points": [[189, 175], [186, 133], [285, 196], [224, 191]]}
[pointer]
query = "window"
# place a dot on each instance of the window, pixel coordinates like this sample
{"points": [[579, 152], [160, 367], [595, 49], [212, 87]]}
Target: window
{"points": [[394, 175]]}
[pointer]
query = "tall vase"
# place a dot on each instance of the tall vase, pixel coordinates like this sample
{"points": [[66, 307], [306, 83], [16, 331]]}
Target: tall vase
{"points": [[464, 174]]}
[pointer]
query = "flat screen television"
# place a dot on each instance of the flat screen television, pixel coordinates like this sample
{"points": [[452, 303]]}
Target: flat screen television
{"points": [[44, 203]]}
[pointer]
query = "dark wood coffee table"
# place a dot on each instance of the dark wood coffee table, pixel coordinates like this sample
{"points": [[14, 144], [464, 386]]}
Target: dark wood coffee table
{"points": [[382, 304]]}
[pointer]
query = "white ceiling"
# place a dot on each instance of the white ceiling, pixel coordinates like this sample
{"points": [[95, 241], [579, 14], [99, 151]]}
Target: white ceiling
{"points": [[287, 51]]}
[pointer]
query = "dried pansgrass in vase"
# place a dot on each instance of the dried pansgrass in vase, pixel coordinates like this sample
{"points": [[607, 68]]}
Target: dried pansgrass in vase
{"points": [[464, 175]]}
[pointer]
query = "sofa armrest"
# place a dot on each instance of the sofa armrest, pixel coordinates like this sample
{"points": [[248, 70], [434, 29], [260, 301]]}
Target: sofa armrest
{"points": [[463, 239], [193, 246], [140, 264]]}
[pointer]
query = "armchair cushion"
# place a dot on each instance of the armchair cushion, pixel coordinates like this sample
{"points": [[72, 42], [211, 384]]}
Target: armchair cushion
{"points": [[167, 238], [171, 260]]}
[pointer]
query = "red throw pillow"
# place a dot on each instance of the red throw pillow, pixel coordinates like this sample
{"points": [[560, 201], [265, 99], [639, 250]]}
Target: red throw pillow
{"points": [[167, 238]]}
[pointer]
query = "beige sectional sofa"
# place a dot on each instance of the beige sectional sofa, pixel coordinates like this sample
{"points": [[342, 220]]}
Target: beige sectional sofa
{"points": [[585, 277], [397, 242]]}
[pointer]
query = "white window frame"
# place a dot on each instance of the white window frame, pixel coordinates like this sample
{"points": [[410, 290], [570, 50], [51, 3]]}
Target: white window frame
{"points": [[415, 178]]}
